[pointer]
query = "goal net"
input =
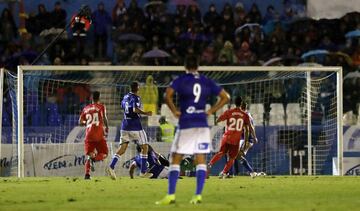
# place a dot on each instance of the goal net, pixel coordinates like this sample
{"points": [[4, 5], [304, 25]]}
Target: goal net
{"points": [[296, 111]]}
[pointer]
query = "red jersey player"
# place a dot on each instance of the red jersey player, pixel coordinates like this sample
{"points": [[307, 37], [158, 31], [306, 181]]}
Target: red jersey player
{"points": [[93, 116], [236, 119]]}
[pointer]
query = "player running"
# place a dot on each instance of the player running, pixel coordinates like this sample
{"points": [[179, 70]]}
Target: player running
{"points": [[131, 130], [236, 120], [193, 135], [93, 116], [245, 145]]}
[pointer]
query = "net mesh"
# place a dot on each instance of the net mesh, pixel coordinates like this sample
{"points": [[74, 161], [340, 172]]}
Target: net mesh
{"points": [[277, 100]]}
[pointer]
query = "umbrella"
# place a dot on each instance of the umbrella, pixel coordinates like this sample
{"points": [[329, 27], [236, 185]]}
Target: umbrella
{"points": [[318, 52], [351, 75], [271, 61], [131, 37], [250, 25], [185, 2], [309, 64], [346, 57], [154, 3], [355, 33], [156, 53]]}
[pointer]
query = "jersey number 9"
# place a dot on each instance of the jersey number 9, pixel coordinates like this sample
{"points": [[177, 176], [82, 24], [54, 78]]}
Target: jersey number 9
{"points": [[197, 92]]}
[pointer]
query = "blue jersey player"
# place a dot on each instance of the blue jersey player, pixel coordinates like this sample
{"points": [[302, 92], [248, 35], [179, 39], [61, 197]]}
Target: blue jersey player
{"points": [[193, 134], [131, 130]]}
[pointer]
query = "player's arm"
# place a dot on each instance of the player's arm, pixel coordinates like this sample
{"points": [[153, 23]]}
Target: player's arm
{"points": [[224, 98], [253, 132], [139, 111], [222, 117], [169, 94], [132, 169], [105, 120], [82, 121]]}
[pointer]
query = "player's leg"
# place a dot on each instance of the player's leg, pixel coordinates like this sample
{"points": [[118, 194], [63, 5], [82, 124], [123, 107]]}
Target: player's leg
{"points": [[241, 157], [102, 150], [89, 148], [124, 141], [143, 141], [219, 154], [201, 171], [174, 172], [233, 151]]}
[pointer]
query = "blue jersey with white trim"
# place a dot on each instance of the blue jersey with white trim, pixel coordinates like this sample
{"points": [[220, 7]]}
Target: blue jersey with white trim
{"points": [[131, 121], [251, 139], [154, 167], [193, 90]]}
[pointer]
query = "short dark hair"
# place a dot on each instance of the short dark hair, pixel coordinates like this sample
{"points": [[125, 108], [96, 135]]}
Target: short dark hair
{"points": [[134, 86], [238, 101], [96, 96], [244, 105], [191, 62]]}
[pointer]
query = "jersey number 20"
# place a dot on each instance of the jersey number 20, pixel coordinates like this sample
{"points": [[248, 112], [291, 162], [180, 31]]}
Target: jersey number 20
{"points": [[235, 124], [92, 119]]}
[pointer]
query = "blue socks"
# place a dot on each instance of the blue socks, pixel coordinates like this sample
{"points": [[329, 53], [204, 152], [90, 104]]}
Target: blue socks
{"points": [[114, 160], [143, 163], [200, 178], [247, 165], [174, 171]]}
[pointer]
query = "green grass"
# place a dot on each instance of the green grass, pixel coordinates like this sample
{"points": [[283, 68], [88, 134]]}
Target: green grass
{"points": [[240, 193]]}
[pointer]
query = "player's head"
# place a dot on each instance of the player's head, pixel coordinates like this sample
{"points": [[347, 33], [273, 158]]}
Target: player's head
{"points": [[162, 120], [244, 105], [191, 63], [134, 87], [238, 101], [96, 96]]}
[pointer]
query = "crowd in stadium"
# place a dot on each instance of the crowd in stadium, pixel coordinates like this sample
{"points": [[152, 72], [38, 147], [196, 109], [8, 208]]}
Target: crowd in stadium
{"points": [[231, 35]]}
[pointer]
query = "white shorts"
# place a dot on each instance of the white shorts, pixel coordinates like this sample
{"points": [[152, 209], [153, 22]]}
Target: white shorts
{"points": [[245, 146], [128, 136], [192, 141]]}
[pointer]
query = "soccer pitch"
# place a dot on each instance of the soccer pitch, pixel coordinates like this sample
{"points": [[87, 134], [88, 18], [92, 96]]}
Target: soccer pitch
{"points": [[240, 193]]}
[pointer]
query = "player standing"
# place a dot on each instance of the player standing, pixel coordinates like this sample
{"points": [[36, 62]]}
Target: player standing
{"points": [[236, 120], [193, 135], [131, 130], [93, 116]]}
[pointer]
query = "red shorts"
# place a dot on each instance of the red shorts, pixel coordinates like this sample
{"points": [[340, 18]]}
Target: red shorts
{"points": [[100, 146], [231, 149]]}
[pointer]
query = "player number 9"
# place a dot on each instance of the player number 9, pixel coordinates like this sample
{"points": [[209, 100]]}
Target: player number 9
{"points": [[197, 92]]}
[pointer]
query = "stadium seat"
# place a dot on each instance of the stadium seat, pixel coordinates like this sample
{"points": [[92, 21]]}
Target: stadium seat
{"points": [[53, 117], [257, 112], [36, 116], [277, 114], [293, 114]]}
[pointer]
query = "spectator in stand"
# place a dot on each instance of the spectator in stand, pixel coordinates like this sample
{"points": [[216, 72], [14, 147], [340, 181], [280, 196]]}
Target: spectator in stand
{"points": [[244, 54], [118, 13], [327, 44], [42, 19], [356, 57], [8, 29], [58, 16], [211, 17], [228, 53], [208, 56], [136, 14], [254, 15], [193, 14], [101, 20], [239, 14], [270, 15]]}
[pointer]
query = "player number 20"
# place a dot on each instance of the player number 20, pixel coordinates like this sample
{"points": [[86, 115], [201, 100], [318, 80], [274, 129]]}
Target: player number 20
{"points": [[235, 124], [197, 92], [92, 119]]}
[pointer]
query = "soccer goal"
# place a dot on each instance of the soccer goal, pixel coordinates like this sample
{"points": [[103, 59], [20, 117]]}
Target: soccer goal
{"points": [[297, 113]]}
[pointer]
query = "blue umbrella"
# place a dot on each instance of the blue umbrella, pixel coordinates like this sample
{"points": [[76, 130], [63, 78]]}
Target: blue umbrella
{"points": [[355, 33], [156, 53], [314, 53]]}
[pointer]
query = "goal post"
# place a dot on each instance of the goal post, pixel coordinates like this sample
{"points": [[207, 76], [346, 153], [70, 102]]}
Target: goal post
{"points": [[256, 85]]}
